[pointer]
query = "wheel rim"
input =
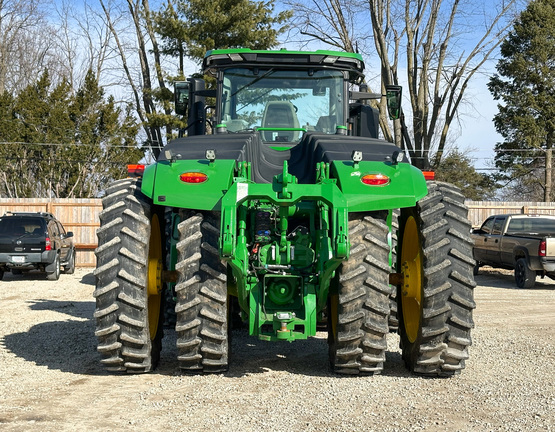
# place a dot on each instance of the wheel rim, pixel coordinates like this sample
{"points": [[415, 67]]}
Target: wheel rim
{"points": [[411, 290], [154, 276]]}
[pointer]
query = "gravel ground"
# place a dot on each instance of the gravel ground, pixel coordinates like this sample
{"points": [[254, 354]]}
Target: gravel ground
{"points": [[51, 380]]}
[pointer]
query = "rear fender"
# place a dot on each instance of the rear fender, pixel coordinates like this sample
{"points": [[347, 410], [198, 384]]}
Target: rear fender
{"points": [[406, 185], [162, 183]]}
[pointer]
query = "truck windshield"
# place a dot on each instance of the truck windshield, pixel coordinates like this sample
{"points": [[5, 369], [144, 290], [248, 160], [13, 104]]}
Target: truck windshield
{"points": [[283, 104]]}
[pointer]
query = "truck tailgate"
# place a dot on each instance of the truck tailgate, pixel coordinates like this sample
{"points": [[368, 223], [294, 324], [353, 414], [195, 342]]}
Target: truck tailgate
{"points": [[550, 247]]}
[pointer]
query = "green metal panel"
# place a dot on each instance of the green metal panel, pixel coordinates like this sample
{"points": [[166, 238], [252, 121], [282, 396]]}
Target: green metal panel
{"points": [[407, 185], [147, 184], [170, 191]]}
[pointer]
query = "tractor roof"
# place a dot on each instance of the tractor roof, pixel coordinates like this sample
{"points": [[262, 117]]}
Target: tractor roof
{"points": [[281, 59]]}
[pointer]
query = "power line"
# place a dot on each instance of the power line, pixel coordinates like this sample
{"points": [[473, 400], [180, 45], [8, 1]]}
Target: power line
{"points": [[18, 158], [71, 144]]}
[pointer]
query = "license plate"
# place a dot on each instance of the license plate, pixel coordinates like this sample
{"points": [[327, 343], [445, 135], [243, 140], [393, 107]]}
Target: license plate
{"points": [[18, 259]]}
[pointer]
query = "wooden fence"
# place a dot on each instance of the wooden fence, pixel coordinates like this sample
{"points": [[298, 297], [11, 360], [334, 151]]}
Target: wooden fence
{"points": [[81, 216], [478, 211]]}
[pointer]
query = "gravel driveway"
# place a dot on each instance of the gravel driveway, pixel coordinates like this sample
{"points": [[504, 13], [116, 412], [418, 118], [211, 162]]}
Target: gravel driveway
{"points": [[51, 380]]}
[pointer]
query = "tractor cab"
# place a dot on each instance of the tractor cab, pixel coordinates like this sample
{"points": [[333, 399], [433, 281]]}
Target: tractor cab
{"points": [[283, 95]]}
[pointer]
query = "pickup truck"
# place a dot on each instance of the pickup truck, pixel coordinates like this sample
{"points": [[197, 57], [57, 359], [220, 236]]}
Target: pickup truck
{"points": [[525, 243]]}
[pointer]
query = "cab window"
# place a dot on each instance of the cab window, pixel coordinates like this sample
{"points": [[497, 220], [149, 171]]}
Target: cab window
{"points": [[498, 225], [487, 226]]}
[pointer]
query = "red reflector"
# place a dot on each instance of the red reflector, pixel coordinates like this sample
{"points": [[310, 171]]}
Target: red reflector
{"points": [[375, 180], [193, 177], [429, 175], [48, 244], [135, 170], [542, 251]]}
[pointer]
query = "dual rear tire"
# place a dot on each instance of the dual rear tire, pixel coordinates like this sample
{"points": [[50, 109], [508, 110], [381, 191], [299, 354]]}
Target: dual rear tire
{"points": [[435, 300], [129, 280]]}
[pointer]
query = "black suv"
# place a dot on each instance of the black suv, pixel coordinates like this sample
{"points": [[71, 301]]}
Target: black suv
{"points": [[35, 241]]}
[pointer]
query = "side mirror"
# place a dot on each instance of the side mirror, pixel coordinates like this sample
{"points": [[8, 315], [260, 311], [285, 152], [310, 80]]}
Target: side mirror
{"points": [[393, 96], [181, 97]]}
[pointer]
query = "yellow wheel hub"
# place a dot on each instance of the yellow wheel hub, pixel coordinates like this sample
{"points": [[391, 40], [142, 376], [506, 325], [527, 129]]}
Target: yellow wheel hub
{"points": [[154, 276], [411, 290]]}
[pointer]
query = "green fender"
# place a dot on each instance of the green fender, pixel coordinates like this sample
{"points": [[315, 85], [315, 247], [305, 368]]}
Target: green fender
{"points": [[161, 183], [406, 185]]}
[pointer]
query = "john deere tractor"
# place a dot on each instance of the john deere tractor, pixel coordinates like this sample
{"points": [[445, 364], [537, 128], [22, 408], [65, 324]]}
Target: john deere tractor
{"points": [[283, 215]]}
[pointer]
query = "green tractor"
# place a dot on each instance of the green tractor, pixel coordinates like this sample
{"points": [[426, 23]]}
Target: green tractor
{"points": [[290, 214]]}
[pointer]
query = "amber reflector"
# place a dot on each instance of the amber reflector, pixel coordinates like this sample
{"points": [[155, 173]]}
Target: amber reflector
{"points": [[193, 177], [375, 179]]}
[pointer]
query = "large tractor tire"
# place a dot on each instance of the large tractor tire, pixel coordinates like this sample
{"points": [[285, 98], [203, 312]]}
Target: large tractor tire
{"points": [[202, 300], [358, 305], [129, 289], [435, 301], [170, 317], [393, 318]]}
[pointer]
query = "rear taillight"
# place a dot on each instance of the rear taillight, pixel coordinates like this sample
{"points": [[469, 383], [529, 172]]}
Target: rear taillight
{"points": [[429, 175], [193, 177], [135, 170], [375, 179], [542, 250], [48, 244]]}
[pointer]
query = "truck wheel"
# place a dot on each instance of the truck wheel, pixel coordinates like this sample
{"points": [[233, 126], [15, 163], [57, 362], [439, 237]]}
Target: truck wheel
{"points": [[202, 301], [128, 280], [55, 274], [358, 305], [436, 298], [70, 267], [524, 277]]}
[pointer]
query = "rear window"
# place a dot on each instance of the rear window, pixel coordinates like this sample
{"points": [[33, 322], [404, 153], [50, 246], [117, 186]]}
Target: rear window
{"points": [[531, 225], [21, 226]]}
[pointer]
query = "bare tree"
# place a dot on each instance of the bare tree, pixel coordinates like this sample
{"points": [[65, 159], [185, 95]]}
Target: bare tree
{"points": [[83, 41], [441, 44], [142, 56], [26, 43]]}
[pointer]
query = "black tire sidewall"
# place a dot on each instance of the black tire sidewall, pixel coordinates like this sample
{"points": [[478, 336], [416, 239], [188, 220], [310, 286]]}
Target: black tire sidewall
{"points": [[55, 275]]}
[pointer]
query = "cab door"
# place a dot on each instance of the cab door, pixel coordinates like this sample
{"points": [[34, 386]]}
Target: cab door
{"points": [[481, 240], [494, 246]]}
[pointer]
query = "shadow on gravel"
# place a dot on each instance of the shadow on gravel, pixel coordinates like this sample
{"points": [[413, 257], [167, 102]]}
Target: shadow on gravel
{"points": [[504, 279], [72, 308], [26, 276], [304, 357], [88, 279], [68, 346]]}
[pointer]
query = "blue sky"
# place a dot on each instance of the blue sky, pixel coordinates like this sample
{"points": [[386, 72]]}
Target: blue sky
{"points": [[478, 135]]}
